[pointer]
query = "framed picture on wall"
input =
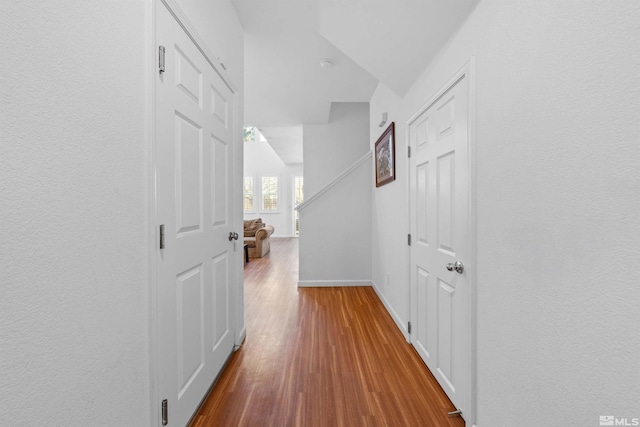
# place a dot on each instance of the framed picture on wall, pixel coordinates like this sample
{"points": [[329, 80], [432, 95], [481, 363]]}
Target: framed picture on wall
{"points": [[385, 152]]}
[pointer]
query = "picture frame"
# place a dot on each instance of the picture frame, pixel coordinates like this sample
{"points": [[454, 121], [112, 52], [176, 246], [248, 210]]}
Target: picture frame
{"points": [[385, 156]]}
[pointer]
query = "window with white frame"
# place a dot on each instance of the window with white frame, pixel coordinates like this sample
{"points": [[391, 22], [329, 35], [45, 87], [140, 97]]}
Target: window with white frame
{"points": [[299, 198], [249, 134], [248, 194], [269, 193]]}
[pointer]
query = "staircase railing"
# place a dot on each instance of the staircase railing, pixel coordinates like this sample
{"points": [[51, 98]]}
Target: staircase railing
{"points": [[335, 181]]}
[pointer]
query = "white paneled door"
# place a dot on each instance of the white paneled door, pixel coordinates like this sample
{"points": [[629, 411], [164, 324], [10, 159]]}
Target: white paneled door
{"points": [[440, 229], [194, 128]]}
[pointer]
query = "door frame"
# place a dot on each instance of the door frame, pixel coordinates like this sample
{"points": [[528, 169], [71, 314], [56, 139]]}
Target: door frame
{"points": [[153, 237], [466, 71]]}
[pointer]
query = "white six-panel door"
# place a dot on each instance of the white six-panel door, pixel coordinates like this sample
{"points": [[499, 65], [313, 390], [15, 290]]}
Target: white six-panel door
{"points": [[439, 197], [195, 270]]}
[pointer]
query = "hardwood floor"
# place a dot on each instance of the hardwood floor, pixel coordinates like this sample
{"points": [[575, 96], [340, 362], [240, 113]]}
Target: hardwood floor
{"points": [[320, 357]]}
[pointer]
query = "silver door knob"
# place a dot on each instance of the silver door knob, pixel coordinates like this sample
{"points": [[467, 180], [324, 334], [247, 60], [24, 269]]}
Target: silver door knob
{"points": [[233, 236], [458, 266]]}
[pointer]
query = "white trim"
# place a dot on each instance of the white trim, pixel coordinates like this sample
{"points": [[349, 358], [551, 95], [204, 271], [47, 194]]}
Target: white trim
{"points": [[409, 302], [466, 71], [261, 209], [332, 283], [152, 293], [459, 75], [237, 186], [473, 235], [253, 192], [294, 212], [193, 34], [336, 180], [392, 313]]}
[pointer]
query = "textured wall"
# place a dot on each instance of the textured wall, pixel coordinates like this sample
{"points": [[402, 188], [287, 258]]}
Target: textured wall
{"points": [[557, 155], [73, 276]]}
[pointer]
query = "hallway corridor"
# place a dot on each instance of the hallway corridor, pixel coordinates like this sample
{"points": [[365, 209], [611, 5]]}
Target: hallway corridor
{"points": [[320, 357]]}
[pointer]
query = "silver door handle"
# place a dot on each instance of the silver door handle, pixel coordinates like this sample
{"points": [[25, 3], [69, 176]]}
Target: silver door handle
{"points": [[458, 266], [233, 236]]}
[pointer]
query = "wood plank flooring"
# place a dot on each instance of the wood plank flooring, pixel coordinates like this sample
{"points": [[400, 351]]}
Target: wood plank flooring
{"points": [[320, 357]]}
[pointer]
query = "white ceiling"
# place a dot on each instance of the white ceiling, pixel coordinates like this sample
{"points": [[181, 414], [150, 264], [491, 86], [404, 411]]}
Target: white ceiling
{"points": [[368, 41], [286, 141], [284, 84]]}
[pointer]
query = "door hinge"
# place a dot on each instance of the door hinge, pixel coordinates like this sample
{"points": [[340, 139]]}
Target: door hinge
{"points": [[161, 59], [409, 151], [409, 327], [161, 236], [165, 412], [409, 239]]}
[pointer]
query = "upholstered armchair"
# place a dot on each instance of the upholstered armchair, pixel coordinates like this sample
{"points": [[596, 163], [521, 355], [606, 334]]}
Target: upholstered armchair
{"points": [[256, 237]]}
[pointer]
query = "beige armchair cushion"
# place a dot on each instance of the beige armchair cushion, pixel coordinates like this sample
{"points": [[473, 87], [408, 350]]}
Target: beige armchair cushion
{"points": [[257, 239], [251, 226]]}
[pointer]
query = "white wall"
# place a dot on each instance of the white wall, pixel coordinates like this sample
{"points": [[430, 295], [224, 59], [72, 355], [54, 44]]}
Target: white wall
{"points": [[74, 217], [330, 148], [390, 273], [261, 160], [335, 239], [557, 155], [74, 167], [335, 228]]}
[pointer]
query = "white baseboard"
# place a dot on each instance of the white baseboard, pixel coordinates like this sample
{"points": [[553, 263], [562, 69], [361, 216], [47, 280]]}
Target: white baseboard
{"points": [[332, 283], [399, 322]]}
